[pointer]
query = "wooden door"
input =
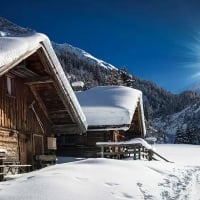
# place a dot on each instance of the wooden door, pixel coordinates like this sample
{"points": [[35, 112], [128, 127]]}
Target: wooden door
{"points": [[23, 149], [38, 144]]}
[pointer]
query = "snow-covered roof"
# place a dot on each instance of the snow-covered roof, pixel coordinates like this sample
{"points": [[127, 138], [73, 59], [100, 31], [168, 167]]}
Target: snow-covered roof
{"points": [[15, 49], [110, 107], [77, 84]]}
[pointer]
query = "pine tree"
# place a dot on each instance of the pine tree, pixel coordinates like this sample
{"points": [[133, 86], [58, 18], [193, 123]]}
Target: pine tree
{"points": [[192, 134], [181, 137], [126, 78]]}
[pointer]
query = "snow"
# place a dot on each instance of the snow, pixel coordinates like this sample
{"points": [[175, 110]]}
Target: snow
{"points": [[77, 84], [171, 123], [11, 48], [181, 154], [14, 49], [151, 140], [197, 110], [132, 141], [110, 106], [195, 88], [3, 34], [81, 54], [3, 150], [106, 179]]}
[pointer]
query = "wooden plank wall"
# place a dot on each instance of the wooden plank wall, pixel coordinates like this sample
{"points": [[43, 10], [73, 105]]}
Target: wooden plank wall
{"points": [[82, 145], [101, 136], [9, 142], [15, 115]]}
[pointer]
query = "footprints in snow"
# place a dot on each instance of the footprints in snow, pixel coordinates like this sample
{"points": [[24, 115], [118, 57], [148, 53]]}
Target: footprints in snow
{"points": [[111, 184], [82, 179], [145, 192], [119, 195], [179, 186]]}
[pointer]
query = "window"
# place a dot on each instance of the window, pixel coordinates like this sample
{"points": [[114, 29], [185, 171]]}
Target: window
{"points": [[10, 85]]}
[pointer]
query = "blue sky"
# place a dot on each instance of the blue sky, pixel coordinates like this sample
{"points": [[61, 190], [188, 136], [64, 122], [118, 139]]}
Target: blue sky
{"points": [[156, 40]]}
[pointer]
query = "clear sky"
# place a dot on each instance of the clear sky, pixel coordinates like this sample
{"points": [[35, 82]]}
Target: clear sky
{"points": [[156, 40]]}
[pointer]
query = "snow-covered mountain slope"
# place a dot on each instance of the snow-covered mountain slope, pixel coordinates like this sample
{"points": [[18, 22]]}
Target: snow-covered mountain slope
{"points": [[196, 88], [183, 120], [8, 28], [81, 54]]}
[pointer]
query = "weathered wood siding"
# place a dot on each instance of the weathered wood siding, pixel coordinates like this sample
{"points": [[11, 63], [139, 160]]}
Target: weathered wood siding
{"points": [[101, 136], [85, 145], [9, 142], [17, 117], [81, 145]]}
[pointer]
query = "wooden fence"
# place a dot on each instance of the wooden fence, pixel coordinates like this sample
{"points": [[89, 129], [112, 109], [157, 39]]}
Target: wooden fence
{"points": [[121, 151]]}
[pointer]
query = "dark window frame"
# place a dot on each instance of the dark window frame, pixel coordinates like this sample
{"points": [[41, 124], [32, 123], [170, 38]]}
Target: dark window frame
{"points": [[10, 85]]}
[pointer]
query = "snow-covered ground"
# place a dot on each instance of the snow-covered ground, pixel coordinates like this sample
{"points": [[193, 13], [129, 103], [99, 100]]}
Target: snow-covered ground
{"points": [[106, 179]]}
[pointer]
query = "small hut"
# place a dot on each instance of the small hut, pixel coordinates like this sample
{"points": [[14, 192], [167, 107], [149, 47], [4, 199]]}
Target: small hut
{"points": [[77, 86], [113, 113]]}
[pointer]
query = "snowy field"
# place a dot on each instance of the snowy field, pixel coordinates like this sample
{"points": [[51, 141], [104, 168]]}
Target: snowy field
{"points": [[106, 179]]}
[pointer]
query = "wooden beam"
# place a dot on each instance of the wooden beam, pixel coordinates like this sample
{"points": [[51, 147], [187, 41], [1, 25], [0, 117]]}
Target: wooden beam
{"points": [[39, 82], [40, 102], [44, 60], [64, 126], [66, 129], [139, 113], [57, 111], [59, 116], [9, 130], [24, 72]]}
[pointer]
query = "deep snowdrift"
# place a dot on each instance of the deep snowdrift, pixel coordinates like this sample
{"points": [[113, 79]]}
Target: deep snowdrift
{"points": [[106, 179]]}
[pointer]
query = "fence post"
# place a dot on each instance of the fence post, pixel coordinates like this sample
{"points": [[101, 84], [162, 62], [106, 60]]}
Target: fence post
{"points": [[143, 152], [1, 170], [134, 153], [150, 154], [139, 152], [102, 151]]}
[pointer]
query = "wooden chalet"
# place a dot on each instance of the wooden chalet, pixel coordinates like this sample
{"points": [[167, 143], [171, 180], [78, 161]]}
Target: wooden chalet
{"points": [[113, 113], [36, 99]]}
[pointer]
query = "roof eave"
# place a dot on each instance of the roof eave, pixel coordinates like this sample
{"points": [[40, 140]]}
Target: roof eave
{"points": [[5, 68], [66, 96], [123, 127]]}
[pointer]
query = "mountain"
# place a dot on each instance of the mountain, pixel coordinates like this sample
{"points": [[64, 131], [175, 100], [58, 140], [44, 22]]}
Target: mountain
{"points": [[196, 88], [166, 113], [8, 28], [82, 55], [185, 121]]}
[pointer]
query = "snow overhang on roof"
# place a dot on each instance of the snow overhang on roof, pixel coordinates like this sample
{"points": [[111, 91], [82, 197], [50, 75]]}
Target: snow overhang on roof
{"points": [[110, 107], [15, 49]]}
